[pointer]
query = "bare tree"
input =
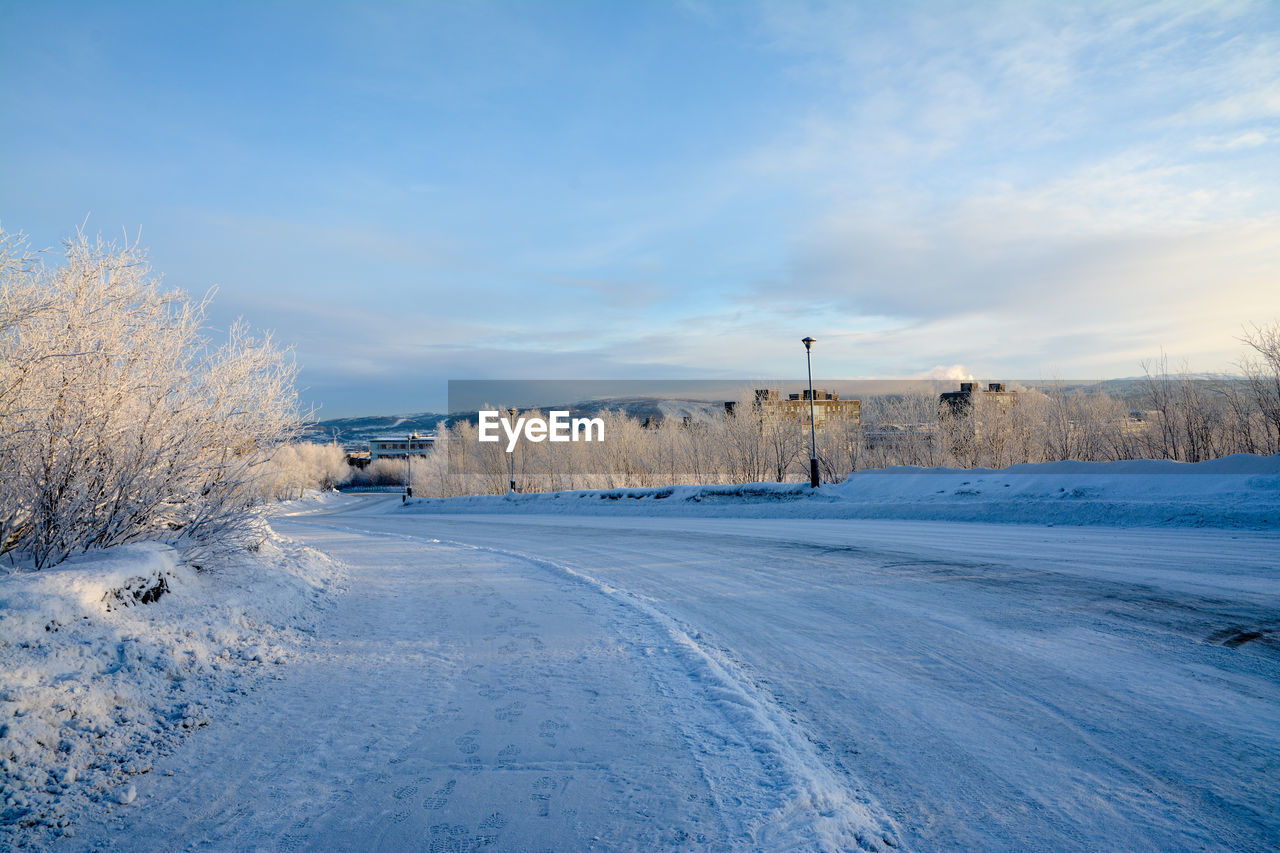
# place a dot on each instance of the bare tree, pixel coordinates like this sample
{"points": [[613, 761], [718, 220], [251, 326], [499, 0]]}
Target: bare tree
{"points": [[1262, 374], [783, 440]]}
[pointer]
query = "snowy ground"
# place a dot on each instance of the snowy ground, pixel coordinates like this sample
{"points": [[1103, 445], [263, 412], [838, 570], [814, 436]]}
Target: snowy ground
{"points": [[108, 660], [501, 675]]}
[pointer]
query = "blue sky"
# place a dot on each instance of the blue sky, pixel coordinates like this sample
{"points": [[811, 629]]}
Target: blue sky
{"points": [[414, 192]]}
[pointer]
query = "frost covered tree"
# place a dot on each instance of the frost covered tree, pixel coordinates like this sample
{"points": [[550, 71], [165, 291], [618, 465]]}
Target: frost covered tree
{"points": [[841, 447], [1188, 425], [304, 465], [119, 418], [1262, 374], [1084, 425], [20, 300]]}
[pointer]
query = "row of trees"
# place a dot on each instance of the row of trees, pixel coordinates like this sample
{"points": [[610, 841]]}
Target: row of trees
{"points": [[1165, 416], [120, 418]]}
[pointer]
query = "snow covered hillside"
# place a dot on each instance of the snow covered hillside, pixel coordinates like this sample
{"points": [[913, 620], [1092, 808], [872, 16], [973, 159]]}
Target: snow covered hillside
{"points": [[108, 659]]}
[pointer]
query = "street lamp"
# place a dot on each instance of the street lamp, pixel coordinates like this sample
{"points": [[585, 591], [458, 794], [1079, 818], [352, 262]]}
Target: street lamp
{"points": [[511, 457], [408, 468], [813, 438]]}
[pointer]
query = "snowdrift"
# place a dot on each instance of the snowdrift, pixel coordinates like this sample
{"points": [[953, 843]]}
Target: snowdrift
{"points": [[106, 659], [1240, 491]]}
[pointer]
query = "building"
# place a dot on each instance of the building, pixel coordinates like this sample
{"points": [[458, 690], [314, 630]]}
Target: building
{"points": [[961, 402], [973, 418], [827, 405], [401, 447]]}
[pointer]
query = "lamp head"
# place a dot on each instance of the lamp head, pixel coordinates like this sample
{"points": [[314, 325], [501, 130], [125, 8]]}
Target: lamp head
{"points": [[808, 342]]}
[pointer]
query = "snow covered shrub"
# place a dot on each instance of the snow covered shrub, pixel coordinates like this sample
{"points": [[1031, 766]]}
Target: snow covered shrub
{"points": [[301, 466], [119, 418]]}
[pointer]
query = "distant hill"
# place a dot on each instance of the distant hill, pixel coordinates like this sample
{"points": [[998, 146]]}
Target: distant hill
{"points": [[358, 431]]}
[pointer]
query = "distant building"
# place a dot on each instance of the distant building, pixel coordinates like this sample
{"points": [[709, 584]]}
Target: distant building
{"points": [[965, 422], [961, 402], [826, 405], [401, 447]]}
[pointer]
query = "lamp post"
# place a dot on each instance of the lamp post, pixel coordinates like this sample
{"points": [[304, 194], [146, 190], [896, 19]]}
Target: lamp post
{"points": [[408, 468], [511, 457], [813, 426]]}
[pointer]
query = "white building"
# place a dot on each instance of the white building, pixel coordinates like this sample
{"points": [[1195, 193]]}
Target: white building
{"points": [[400, 447]]}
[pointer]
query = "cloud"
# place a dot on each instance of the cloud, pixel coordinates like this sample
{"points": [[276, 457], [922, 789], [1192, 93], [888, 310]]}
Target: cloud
{"points": [[1027, 186], [1011, 87], [1260, 104], [1013, 283], [1023, 260], [1233, 142], [954, 371]]}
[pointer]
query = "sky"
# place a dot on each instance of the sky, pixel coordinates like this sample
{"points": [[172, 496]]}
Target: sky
{"points": [[413, 192]]}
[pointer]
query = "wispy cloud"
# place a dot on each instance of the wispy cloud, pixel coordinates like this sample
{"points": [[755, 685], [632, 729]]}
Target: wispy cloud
{"points": [[1076, 182]]}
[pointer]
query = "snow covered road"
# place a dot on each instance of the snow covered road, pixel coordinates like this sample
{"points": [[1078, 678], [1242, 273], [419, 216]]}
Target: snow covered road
{"points": [[567, 682], [458, 698]]}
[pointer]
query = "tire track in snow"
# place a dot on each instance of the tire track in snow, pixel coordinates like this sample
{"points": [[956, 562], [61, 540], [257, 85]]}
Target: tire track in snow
{"points": [[821, 810]]}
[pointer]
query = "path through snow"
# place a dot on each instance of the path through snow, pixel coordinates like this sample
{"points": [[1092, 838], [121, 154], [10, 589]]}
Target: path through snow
{"points": [[458, 698]]}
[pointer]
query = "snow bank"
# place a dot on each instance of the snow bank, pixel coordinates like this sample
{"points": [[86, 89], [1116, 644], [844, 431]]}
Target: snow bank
{"points": [[1241, 491], [107, 659]]}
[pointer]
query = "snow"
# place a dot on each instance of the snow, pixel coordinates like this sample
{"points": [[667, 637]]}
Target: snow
{"points": [[1240, 491], [98, 678], [753, 667]]}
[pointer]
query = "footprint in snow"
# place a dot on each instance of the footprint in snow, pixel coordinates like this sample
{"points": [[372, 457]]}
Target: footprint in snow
{"points": [[490, 827], [440, 798], [532, 639], [446, 838], [550, 728], [541, 796], [510, 712], [507, 755]]}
